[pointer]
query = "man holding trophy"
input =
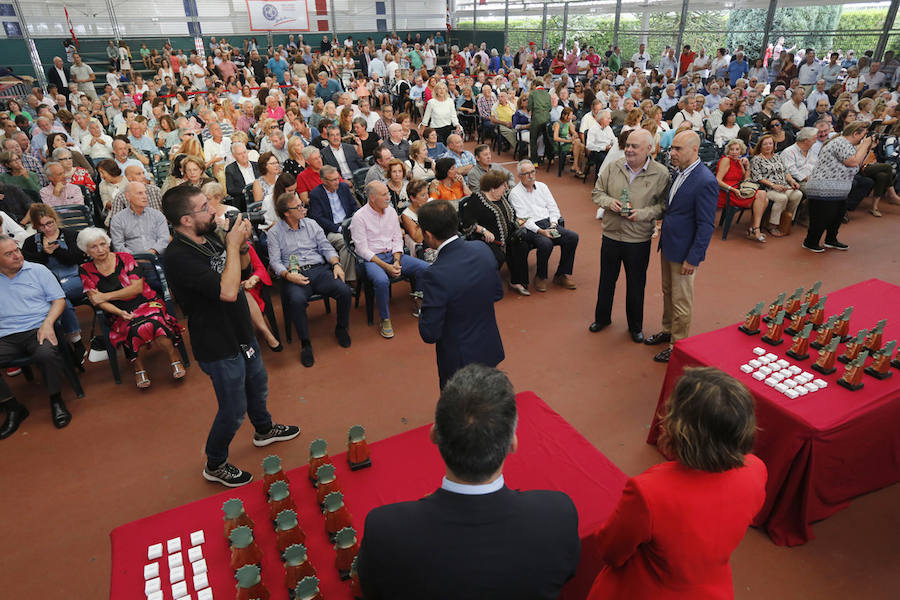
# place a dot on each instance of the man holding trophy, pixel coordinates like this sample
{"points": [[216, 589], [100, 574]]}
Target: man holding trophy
{"points": [[632, 192]]}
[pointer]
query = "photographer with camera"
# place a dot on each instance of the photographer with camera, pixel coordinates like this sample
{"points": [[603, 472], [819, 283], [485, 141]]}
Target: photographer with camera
{"points": [[205, 274], [830, 182]]}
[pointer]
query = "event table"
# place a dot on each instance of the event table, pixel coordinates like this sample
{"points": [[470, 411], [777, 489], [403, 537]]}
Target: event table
{"points": [[551, 455], [822, 449]]}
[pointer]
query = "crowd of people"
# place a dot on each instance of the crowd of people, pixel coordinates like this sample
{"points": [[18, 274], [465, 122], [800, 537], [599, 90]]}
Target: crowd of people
{"points": [[338, 148]]}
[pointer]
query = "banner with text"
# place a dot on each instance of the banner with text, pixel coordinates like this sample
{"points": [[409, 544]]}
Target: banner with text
{"points": [[278, 15]]}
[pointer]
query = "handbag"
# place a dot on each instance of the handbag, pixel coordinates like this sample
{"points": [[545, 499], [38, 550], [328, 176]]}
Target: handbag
{"points": [[748, 189]]}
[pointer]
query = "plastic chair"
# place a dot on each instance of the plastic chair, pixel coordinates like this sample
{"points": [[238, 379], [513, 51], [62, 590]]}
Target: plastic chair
{"points": [[75, 216], [728, 212]]}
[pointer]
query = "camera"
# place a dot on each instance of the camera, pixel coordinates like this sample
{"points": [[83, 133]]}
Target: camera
{"points": [[255, 218]]}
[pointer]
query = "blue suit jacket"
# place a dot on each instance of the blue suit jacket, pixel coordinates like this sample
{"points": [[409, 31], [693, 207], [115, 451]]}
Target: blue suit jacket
{"points": [[459, 291], [690, 218], [320, 208], [353, 160]]}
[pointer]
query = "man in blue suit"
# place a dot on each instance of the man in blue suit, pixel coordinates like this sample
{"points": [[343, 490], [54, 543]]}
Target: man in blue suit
{"points": [[329, 204], [688, 224], [459, 291], [341, 156]]}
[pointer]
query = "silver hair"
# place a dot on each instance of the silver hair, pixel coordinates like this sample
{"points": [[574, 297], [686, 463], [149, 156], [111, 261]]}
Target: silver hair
{"points": [[213, 188], [738, 142], [807, 133], [89, 235], [50, 164], [57, 152], [308, 152], [327, 170], [361, 121], [238, 146], [523, 164]]}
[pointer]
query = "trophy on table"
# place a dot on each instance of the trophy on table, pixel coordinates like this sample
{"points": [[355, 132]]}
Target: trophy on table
{"points": [[842, 326], [296, 567], [812, 296], [625, 201], [880, 367], [327, 483], [347, 547], [826, 332], [774, 308], [358, 449], [287, 531], [875, 337], [776, 330], [800, 348], [798, 320], [817, 312], [272, 471], [235, 516], [853, 347], [280, 499], [794, 301], [244, 550], [249, 584], [853, 374], [751, 322], [336, 514], [307, 589], [825, 362], [318, 456]]}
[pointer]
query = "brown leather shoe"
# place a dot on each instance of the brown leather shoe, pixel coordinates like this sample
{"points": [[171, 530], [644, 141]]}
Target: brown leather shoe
{"points": [[564, 281], [540, 284]]}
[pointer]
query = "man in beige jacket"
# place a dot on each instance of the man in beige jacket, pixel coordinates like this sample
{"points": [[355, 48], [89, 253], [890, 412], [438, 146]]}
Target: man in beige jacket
{"points": [[627, 229]]}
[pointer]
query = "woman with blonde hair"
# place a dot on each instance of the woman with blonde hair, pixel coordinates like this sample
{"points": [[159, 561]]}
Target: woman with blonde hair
{"points": [[295, 162], [732, 170], [769, 171], [420, 166]]}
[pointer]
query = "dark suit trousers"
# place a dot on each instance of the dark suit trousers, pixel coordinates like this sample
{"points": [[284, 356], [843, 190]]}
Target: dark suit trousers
{"points": [[535, 132], [321, 281], [636, 257], [567, 241], [516, 258], [824, 216], [46, 356]]}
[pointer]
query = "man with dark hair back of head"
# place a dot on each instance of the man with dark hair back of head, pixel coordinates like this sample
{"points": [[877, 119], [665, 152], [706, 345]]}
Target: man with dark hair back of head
{"points": [[205, 275], [474, 537], [459, 291]]}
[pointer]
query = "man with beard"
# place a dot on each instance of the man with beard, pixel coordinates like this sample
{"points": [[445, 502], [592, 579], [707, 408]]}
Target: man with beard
{"points": [[205, 274]]}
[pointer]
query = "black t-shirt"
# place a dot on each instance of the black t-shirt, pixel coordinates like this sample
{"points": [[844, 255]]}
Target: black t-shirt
{"points": [[217, 328], [369, 144]]}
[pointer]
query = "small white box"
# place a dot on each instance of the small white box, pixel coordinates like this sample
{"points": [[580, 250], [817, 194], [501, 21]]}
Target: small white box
{"points": [[174, 545], [807, 375], [791, 394], [176, 574], [759, 376], [785, 372], [777, 377], [151, 571], [197, 538], [765, 371], [746, 368], [771, 382], [790, 383], [154, 551], [199, 566], [179, 590], [781, 387], [811, 387], [782, 363], [155, 596], [821, 383], [764, 360], [794, 369], [151, 585], [755, 364], [175, 560], [200, 581], [772, 356], [801, 390], [759, 351], [195, 553], [205, 594]]}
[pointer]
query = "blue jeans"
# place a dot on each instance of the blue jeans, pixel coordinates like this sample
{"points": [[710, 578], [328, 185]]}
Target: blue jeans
{"points": [[409, 267], [72, 288], [242, 386]]}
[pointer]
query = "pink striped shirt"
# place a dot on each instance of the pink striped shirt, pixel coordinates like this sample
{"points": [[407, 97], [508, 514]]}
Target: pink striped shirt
{"points": [[375, 233]]}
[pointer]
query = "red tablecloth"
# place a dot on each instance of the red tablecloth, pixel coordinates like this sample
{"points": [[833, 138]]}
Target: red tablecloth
{"points": [[821, 449], [551, 455]]}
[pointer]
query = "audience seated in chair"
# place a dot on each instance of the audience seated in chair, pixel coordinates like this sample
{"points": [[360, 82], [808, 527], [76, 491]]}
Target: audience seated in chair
{"points": [[483, 165], [139, 228], [734, 169], [59, 192], [330, 203]]}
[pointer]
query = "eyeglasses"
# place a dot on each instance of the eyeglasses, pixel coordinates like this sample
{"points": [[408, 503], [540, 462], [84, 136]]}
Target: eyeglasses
{"points": [[65, 158], [47, 224], [298, 207], [527, 173], [204, 208]]}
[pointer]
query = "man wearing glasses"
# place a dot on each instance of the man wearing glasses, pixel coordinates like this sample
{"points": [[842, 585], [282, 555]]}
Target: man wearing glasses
{"points": [[205, 274], [537, 212], [302, 256]]}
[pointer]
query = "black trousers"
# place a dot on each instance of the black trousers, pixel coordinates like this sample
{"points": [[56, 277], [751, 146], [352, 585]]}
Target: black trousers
{"points": [[862, 185], [516, 258], [444, 132], [636, 257], [46, 356], [536, 129], [321, 281], [824, 216], [567, 242]]}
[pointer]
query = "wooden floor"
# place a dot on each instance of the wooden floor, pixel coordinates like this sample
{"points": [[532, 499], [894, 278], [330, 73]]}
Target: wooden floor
{"points": [[129, 454]]}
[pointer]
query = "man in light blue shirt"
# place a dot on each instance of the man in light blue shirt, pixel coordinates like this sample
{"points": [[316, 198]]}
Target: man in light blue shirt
{"points": [[139, 228], [278, 66], [32, 302], [737, 68]]}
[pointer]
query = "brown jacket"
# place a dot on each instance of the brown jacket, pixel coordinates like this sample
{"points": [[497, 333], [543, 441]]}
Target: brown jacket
{"points": [[647, 194]]}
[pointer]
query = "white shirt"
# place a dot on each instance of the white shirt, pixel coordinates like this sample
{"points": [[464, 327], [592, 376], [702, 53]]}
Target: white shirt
{"points": [[371, 119], [695, 118], [793, 113], [640, 61], [440, 113], [444, 243], [247, 173], [799, 166], [63, 78], [101, 149], [213, 149], [600, 139], [470, 489], [682, 175], [809, 74], [346, 173], [536, 205], [703, 62]]}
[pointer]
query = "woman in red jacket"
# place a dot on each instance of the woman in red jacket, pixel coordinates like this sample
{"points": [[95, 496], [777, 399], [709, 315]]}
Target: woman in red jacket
{"points": [[676, 525]]}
